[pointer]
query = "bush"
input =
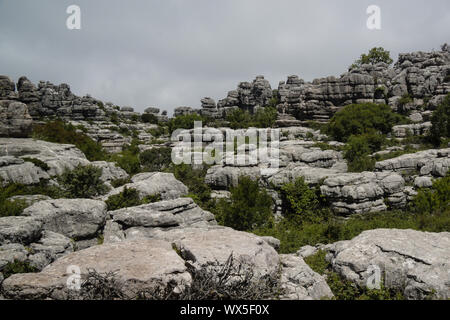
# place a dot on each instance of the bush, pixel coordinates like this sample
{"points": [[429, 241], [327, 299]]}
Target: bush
{"points": [[10, 208], [60, 132], [156, 159], [149, 118], [357, 151], [239, 119], [357, 119], [128, 159], [301, 203], [17, 267], [265, 117], [374, 56], [434, 200], [249, 207], [83, 182], [194, 179], [440, 122], [183, 122], [38, 163], [129, 197], [120, 182]]}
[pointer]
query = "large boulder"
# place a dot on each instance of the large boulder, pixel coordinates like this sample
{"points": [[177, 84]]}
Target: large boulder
{"points": [[58, 157], [20, 229], [300, 282], [180, 212], [15, 121], [417, 263], [74, 218], [139, 265], [154, 183]]}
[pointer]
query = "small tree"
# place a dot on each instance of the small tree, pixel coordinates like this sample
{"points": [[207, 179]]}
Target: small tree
{"points": [[248, 208], [83, 182], [441, 122], [374, 56]]}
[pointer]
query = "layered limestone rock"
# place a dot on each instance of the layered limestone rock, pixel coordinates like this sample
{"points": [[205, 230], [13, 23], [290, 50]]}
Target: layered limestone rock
{"points": [[413, 262], [15, 121]]}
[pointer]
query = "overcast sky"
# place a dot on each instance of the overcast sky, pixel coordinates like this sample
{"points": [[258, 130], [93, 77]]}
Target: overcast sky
{"points": [[171, 53]]}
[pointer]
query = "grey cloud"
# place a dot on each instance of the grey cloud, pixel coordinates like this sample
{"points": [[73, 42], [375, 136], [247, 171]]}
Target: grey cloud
{"points": [[170, 53]]}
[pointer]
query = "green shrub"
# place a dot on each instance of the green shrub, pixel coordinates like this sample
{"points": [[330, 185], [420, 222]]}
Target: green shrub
{"points": [[128, 159], [83, 182], [12, 207], [317, 262], [120, 182], [357, 151], [38, 163], [149, 118], [265, 117], [60, 132], [156, 159], [158, 132], [129, 197], [302, 203], [357, 119], [17, 267], [183, 122], [434, 200], [194, 179], [374, 56], [440, 122], [248, 208], [239, 119]]}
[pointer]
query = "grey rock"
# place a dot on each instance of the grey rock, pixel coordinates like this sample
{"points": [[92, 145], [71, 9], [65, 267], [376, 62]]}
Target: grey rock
{"points": [[15, 121], [19, 230], [307, 251], [74, 218], [414, 262], [300, 282], [140, 265]]}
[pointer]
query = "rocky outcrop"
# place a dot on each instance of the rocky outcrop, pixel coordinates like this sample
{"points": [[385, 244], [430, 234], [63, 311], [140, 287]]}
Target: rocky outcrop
{"points": [[58, 157], [15, 121], [414, 262], [139, 265], [153, 183], [364, 192], [74, 218], [299, 282]]}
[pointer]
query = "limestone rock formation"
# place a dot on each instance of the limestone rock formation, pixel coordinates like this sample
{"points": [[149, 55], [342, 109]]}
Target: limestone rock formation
{"points": [[15, 121], [414, 262]]}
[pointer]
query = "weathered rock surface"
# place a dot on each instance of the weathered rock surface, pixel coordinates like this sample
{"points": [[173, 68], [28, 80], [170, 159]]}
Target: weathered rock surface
{"points": [[74, 218], [180, 212], [154, 183], [57, 156], [19, 229], [140, 265], [15, 121], [417, 263], [300, 282]]}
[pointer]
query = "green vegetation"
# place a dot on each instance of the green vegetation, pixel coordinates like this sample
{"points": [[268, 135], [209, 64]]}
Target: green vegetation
{"points": [[249, 207], [358, 148], [83, 182], [60, 132], [374, 56], [194, 179], [241, 119], [128, 159], [357, 119], [17, 267], [10, 208], [38, 163], [430, 211], [183, 122], [344, 289], [440, 122], [149, 118], [119, 182], [129, 197], [156, 159]]}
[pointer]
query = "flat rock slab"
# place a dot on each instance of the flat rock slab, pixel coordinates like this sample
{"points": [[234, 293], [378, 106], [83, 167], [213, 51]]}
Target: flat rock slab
{"points": [[74, 218], [417, 263], [140, 265]]}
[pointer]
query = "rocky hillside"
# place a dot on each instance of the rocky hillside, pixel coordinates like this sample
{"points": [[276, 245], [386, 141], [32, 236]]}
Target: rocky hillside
{"points": [[90, 194]]}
